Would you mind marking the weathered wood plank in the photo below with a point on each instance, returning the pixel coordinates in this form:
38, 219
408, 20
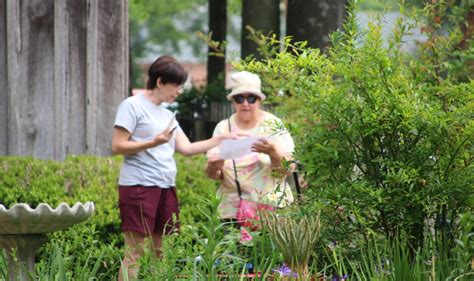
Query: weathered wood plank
92, 71
41, 121
107, 68
61, 76
70, 28
30, 78
76, 103
13, 47
3, 80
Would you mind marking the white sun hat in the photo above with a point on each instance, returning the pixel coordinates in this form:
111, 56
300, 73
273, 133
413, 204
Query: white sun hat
245, 82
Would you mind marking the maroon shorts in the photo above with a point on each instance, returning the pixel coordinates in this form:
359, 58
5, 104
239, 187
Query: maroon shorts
148, 209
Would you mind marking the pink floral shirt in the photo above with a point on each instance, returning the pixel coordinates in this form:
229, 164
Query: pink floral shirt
254, 170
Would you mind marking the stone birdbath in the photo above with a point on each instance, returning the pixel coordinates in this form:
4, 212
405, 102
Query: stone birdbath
23, 230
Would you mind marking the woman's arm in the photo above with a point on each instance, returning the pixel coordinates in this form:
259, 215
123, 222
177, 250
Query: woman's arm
185, 147
121, 143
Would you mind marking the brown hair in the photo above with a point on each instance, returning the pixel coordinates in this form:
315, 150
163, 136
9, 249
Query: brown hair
168, 70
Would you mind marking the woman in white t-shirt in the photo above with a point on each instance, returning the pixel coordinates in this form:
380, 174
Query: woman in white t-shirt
148, 135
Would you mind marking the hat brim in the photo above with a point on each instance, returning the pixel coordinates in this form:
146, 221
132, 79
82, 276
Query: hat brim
238, 92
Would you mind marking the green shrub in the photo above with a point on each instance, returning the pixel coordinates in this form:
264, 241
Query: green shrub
192, 184
385, 137
90, 178
77, 179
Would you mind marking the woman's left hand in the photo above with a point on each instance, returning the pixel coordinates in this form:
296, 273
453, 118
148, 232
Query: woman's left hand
267, 147
271, 149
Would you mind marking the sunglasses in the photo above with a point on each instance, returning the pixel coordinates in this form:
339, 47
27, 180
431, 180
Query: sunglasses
240, 99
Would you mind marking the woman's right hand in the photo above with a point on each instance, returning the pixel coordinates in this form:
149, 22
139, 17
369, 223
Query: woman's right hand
214, 166
214, 162
163, 137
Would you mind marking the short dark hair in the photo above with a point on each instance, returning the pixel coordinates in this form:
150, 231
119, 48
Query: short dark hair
168, 70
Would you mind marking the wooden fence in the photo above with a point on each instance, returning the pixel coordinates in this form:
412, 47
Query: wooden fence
218, 111
63, 70
202, 127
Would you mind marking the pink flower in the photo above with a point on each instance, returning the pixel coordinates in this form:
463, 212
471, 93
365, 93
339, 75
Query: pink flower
245, 235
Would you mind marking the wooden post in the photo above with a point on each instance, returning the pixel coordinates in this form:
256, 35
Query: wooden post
107, 70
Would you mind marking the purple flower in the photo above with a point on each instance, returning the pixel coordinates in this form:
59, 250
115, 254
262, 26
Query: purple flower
336, 277
284, 270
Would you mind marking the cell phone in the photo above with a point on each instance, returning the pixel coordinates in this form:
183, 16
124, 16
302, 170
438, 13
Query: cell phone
172, 130
172, 120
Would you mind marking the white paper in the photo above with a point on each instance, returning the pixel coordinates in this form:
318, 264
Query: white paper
232, 149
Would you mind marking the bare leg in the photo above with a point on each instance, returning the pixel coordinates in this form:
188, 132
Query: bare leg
134, 243
157, 243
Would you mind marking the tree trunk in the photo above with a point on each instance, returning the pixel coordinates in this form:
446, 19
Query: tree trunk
467, 29
261, 15
218, 29
314, 20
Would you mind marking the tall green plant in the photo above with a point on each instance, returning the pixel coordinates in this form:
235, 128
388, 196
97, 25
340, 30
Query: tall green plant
3, 265
210, 250
76, 254
393, 260
295, 238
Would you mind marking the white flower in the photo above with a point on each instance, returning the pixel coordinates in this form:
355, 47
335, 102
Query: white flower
274, 197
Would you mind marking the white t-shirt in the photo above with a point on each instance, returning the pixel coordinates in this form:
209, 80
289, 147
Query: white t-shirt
153, 166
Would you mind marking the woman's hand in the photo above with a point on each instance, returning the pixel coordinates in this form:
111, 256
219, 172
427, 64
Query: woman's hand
187, 148
214, 167
267, 147
215, 163
121, 143
163, 137
271, 149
